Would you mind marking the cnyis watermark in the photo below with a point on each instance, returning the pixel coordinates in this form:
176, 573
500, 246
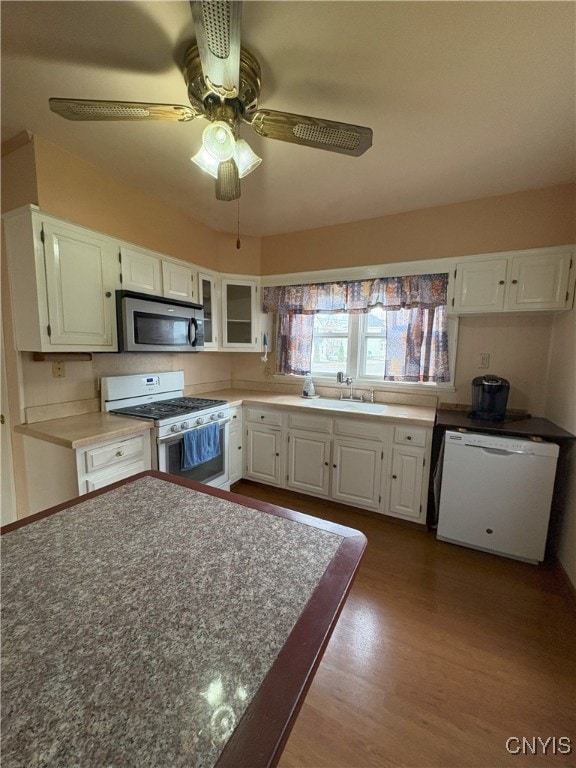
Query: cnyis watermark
536, 745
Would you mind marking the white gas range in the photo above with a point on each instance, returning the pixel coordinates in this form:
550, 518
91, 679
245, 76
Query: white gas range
160, 397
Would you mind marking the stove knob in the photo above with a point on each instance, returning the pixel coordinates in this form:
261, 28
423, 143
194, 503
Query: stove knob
214, 417
199, 421
174, 428
184, 425
221, 414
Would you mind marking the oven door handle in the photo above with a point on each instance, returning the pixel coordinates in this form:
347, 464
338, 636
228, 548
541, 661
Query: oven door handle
174, 436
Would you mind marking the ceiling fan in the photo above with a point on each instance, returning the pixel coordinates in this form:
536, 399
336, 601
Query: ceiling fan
223, 81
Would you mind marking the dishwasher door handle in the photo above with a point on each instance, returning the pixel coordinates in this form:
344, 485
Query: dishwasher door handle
500, 451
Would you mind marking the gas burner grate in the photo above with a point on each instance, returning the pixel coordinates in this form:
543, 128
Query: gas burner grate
162, 409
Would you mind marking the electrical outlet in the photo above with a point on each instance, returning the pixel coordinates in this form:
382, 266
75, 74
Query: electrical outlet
58, 370
484, 360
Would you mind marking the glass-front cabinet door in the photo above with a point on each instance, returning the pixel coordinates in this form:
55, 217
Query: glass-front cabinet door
208, 297
239, 315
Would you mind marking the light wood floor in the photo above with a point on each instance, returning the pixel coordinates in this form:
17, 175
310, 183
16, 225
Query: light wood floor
441, 655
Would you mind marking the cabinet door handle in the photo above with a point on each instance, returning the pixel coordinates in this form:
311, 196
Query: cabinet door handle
394, 477
119, 453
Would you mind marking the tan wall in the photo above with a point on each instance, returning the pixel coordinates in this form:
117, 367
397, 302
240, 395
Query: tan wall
19, 184
73, 189
532, 219
561, 409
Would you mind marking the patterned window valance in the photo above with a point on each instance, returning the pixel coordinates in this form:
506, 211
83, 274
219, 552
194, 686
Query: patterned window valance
357, 296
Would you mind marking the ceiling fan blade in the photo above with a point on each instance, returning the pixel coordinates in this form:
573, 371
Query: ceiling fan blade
217, 24
228, 181
85, 109
312, 132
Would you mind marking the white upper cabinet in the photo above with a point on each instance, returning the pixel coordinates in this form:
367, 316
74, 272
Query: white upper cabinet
62, 283
516, 282
209, 298
539, 281
240, 330
179, 281
148, 272
141, 270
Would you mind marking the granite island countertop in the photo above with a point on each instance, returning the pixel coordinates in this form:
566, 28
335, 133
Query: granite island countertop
162, 623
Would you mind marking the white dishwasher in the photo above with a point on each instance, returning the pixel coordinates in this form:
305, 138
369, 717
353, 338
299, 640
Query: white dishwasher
496, 493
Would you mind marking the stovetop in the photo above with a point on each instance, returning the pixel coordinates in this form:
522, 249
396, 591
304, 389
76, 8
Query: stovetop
164, 409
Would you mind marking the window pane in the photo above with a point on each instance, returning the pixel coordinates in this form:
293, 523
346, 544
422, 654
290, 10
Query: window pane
330, 344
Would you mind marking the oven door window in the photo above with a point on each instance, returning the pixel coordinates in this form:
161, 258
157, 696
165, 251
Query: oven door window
203, 473
153, 329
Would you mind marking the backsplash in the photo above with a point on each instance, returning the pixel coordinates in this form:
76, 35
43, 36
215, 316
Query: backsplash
518, 348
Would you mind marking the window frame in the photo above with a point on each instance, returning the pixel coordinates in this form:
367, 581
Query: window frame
356, 344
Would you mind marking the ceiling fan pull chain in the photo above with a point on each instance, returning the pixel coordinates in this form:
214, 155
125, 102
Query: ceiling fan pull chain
238, 243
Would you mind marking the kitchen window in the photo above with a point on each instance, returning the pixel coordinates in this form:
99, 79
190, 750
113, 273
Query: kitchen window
385, 329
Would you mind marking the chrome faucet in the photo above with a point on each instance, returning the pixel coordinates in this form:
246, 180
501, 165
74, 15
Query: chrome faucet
348, 381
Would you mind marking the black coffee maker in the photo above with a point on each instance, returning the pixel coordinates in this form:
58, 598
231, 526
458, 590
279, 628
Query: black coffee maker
489, 398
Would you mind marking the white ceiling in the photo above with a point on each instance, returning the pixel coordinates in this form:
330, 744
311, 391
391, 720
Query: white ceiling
466, 100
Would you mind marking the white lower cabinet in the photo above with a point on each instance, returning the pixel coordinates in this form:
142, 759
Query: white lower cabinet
56, 474
407, 480
364, 463
235, 445
308, 462
357, 472
265, 446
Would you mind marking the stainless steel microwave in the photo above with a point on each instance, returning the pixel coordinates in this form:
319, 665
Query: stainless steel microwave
155, 324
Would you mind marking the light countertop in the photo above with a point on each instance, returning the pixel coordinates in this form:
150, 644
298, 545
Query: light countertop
409, 414
90, 428
85, 429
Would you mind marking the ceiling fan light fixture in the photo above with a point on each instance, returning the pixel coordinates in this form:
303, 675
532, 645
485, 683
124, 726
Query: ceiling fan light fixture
206, 162
218, 140
246, 159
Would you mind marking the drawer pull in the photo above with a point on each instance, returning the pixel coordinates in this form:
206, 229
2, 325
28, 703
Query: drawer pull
119, 453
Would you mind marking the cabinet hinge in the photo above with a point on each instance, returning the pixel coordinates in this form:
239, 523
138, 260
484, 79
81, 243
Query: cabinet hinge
42, 237
49, 330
